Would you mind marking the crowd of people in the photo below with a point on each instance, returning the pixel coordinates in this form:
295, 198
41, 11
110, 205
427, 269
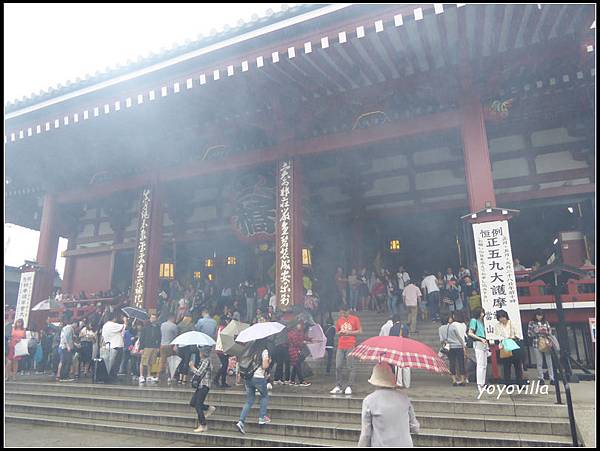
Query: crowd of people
68, 350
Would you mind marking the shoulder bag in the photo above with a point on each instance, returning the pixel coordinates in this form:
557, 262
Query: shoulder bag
445, 348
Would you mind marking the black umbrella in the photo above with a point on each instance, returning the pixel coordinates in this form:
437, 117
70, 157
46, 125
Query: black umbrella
137, 313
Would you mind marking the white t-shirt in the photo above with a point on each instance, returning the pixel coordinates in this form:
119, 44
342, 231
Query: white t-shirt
403, 279
260, 372
112, 333
273, 302
430, 284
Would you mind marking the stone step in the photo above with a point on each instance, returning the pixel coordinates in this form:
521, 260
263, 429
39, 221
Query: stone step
294, 422
301, 400
214, 437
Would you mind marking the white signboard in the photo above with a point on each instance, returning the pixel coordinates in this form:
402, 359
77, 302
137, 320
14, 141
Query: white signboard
496, 275
25, 296
141, 256
284, 242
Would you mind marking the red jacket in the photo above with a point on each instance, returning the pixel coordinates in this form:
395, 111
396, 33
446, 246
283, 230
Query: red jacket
295, 341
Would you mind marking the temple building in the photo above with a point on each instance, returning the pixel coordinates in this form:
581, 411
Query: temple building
315, 137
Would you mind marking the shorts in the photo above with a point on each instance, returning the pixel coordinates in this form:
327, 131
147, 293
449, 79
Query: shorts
149, 355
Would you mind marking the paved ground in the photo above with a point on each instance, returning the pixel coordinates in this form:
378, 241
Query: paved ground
27, 435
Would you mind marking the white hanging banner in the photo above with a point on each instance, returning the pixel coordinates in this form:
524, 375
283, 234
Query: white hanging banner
284, 235
142, 248
24, 297
496, 275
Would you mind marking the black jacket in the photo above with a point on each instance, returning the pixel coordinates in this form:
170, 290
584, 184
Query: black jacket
150, 336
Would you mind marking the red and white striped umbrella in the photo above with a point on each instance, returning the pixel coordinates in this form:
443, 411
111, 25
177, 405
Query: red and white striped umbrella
401, 352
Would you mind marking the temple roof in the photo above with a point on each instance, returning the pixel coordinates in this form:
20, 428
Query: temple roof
228, 32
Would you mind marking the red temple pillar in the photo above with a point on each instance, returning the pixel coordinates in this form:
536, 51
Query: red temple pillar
478, 168
46, 257
154, 256
289, 241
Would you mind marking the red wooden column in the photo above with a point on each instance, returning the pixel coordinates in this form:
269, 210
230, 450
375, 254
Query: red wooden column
153, 264
289, 241
478, 168
46, 257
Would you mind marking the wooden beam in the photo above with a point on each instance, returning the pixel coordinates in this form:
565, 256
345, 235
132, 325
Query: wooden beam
335, 142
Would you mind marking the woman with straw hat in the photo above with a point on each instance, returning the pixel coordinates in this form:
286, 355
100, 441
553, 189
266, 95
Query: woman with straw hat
388, 417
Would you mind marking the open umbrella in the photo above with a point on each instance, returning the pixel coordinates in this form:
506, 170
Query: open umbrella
48, 304
401, 352
137, 313
193, 338
318, 342
228, 336
258, 331
173, 362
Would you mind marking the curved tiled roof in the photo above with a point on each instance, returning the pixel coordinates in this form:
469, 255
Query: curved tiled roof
228, 32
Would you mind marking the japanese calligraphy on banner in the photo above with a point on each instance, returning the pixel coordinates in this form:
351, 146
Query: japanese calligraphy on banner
496, 275
141, 254
24, 297
284, 240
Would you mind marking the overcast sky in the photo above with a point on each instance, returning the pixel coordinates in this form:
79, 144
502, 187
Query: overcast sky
50, 43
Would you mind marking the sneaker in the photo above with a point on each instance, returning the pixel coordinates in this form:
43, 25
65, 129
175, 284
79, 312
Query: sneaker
67, 380
240, 427
141, 380
201, 429
336, 390
542, 381
305, 384
269, 386
264, 420
278, 382
348, 391
287, 382
210, 411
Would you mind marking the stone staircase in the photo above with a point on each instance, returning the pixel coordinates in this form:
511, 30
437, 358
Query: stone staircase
300, 418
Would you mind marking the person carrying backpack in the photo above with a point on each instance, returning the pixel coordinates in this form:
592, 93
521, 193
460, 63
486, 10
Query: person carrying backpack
253, 370
201, 380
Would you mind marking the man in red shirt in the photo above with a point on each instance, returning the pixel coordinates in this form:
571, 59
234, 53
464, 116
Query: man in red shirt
347, 328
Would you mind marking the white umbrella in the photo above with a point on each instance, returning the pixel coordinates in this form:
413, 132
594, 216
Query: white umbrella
319, 341
173, 363
47, 304
258, 331
193, 338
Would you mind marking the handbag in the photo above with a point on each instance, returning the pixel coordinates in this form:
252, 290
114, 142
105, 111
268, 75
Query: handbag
504, 354
22, 347
544, 344
445, 348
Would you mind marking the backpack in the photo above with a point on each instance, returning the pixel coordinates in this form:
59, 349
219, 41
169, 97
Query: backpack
250, 361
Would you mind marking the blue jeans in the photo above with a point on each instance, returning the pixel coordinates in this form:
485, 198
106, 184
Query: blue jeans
393, 304
353, 298
433, 302
260, 384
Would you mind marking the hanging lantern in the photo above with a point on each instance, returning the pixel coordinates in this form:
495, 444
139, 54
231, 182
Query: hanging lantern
197, 275
231, 261
166, 271
306, 257
209, 263
394, 245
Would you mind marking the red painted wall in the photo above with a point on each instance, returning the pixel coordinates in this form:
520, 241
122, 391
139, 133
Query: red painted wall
91, 273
